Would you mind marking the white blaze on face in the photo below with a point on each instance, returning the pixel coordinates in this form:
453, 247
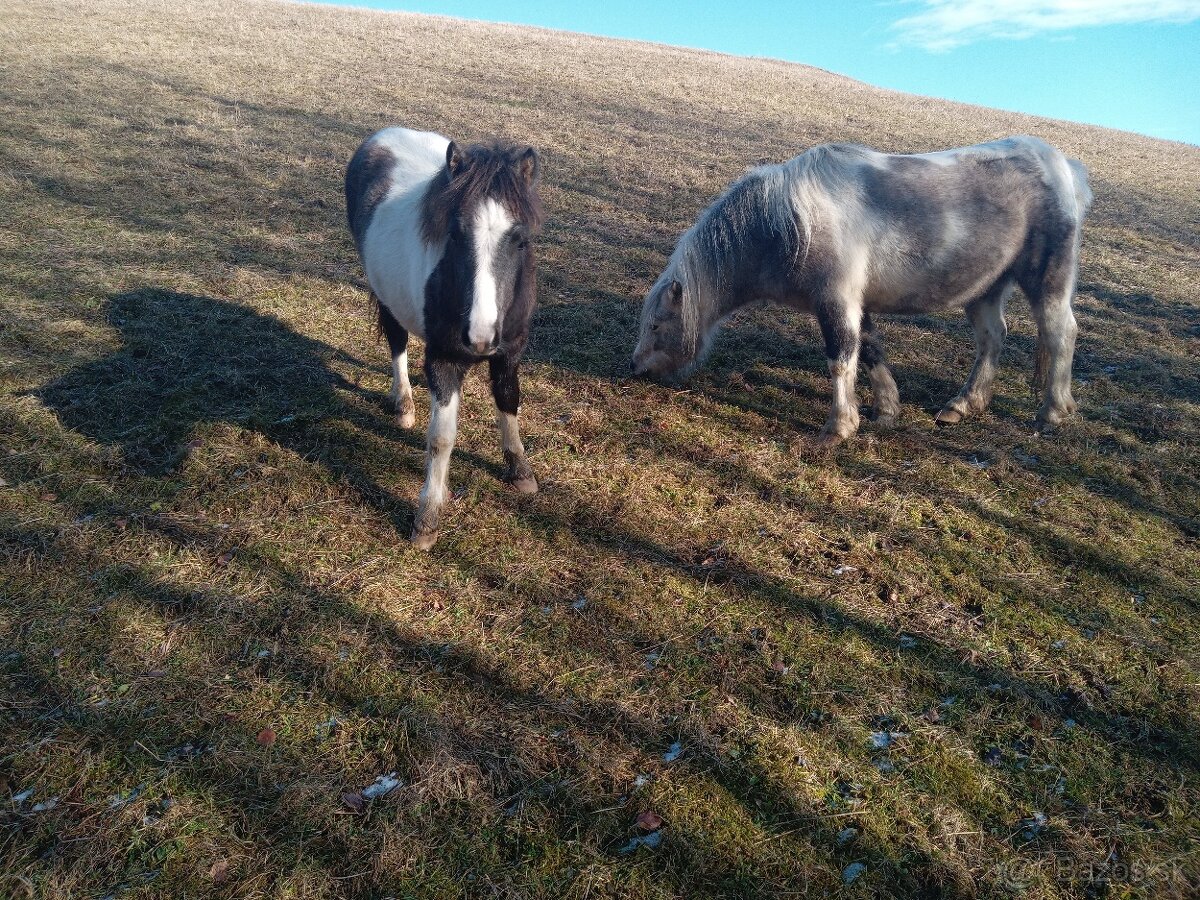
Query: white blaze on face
492, 223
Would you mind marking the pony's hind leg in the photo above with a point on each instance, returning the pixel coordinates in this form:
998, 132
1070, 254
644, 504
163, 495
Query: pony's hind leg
986, 315
1050, 297
506, 389
841, 326
445, 387
885, 396
397, 338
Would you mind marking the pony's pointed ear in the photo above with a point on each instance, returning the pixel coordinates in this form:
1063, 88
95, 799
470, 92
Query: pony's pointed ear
674, 296
454, 159
529, 165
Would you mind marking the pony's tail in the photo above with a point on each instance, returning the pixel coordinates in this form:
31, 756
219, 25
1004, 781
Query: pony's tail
377, 309
1083, 191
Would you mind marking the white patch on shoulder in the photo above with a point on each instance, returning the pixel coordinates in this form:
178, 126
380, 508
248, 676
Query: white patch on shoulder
492, 223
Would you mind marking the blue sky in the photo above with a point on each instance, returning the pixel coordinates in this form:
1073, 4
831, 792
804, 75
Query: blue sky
1121, 63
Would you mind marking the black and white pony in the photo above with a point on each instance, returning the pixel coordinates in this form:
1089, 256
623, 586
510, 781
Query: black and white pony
844, 231
444, 236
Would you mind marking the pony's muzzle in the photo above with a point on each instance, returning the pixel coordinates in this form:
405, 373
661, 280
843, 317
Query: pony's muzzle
481, 348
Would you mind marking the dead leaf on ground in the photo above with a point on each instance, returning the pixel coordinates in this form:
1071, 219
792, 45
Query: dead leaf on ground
266, 737
649, 821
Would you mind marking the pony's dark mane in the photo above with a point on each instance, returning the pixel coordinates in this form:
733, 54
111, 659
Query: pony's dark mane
494, 170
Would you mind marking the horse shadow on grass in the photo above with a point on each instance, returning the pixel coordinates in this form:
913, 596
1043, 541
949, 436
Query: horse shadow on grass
188, 360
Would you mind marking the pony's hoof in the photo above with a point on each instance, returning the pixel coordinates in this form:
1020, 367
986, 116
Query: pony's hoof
884, 419
406, 414
827, 439
526, 484
948, 416
424, 540
1048, 422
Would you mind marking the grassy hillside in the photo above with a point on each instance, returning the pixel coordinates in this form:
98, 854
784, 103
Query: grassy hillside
933, 662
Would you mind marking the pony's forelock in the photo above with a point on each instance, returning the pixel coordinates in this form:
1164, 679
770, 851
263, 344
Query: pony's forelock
494, 170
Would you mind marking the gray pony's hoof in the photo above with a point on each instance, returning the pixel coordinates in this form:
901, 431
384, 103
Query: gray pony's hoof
827, 440
424, 540
1049, 420
525, 484
948, 416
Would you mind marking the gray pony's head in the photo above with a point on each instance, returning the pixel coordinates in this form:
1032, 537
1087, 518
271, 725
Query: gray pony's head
663, 348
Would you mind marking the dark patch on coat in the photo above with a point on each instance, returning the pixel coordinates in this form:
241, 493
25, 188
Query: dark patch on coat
368, 180
748, 254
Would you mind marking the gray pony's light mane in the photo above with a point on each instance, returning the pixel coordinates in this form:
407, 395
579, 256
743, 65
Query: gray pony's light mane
767, 203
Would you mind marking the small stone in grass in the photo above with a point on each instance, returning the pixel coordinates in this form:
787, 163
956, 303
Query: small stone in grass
991, 756
672, 754
846, 835
382, 786
1033, 826
881, 740
651, 840
907, 642
852, 871
354, 802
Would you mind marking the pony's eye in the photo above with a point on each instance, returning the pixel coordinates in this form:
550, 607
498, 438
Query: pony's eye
654, 327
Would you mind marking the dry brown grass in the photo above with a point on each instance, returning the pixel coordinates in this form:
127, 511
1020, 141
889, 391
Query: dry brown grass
204, 504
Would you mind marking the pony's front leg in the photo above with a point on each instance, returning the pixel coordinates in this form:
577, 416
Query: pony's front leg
506, 388
841, 325
445, 387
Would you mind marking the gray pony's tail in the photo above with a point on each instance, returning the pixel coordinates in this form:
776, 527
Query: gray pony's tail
1083, 192
1083, 201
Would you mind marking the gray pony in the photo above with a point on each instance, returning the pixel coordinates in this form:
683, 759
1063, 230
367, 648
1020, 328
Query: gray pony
844, 231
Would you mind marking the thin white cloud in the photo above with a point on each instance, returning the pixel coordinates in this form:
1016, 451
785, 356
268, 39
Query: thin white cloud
945, 24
